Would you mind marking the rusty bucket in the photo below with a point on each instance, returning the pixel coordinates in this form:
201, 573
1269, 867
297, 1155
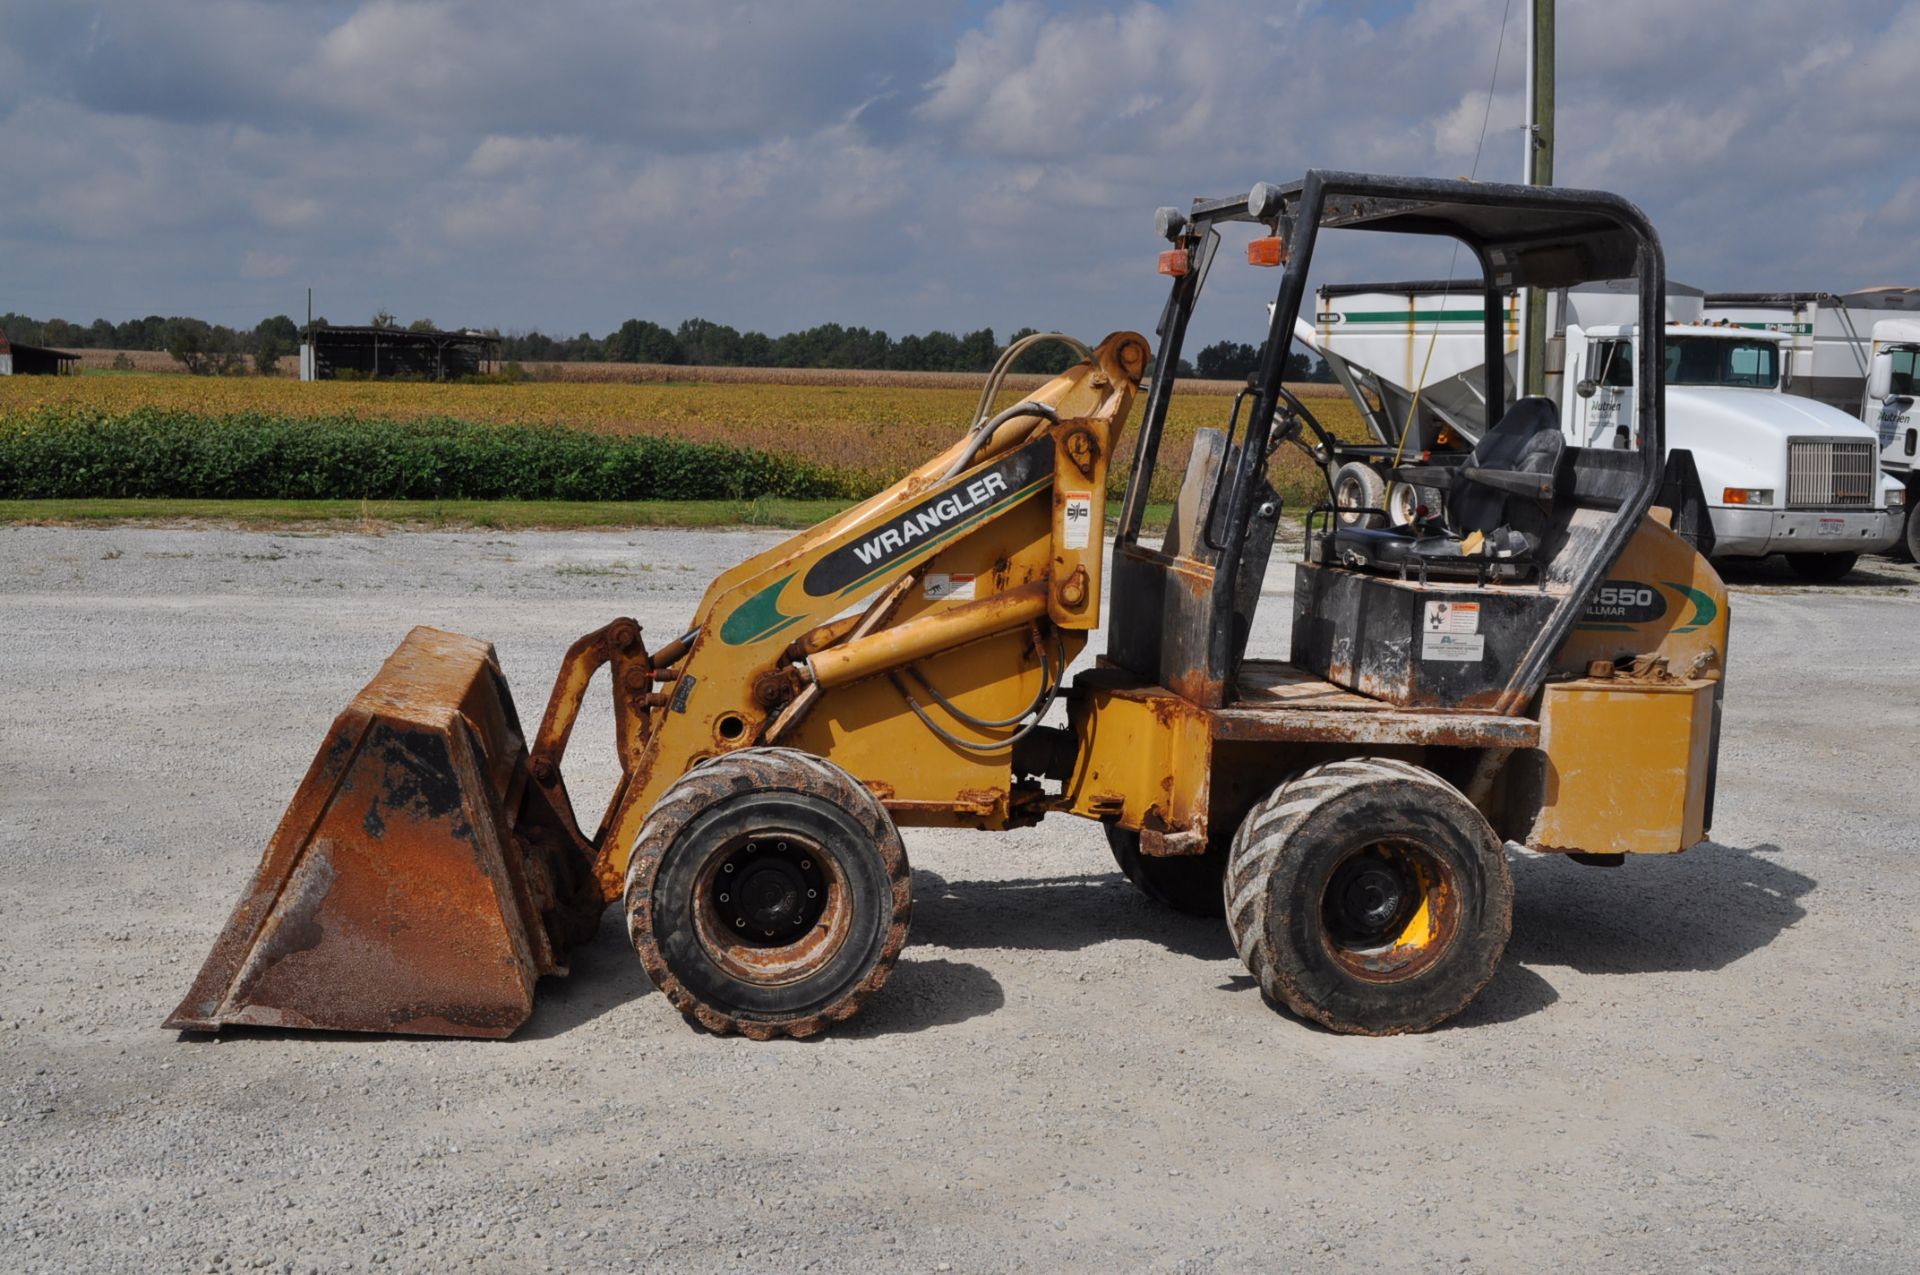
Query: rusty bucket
419, 882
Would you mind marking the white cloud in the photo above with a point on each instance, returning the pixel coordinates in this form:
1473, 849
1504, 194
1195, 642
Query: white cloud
498, 156
1028, 85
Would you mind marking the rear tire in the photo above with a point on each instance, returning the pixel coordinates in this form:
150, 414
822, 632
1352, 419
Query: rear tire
1358, 485
768, 894
1188, 883
1369, 896
1822, 568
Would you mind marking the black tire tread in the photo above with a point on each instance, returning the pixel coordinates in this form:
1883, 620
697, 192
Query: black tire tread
1266, 836
1822, 568
1185, 883
761, 770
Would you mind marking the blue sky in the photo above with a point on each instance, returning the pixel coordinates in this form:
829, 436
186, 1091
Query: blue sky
938, 164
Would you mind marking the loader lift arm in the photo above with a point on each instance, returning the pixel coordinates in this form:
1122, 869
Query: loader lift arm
929, 621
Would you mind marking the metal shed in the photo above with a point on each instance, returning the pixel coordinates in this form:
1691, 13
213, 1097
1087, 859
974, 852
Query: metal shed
34, 360
395, 353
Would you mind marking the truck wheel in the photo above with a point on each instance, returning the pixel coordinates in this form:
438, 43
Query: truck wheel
1404, 501
1358, 485
1187, 883
1370, 896
1911, 540
768, 893
1824, 568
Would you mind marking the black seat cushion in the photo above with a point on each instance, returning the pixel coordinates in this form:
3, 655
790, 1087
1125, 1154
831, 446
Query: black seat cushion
1527, 440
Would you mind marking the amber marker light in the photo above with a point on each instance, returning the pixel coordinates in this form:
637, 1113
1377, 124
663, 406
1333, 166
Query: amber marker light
1174, 262
1270, 251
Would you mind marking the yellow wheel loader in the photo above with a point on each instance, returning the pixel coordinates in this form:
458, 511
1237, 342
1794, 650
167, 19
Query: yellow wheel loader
1539, 661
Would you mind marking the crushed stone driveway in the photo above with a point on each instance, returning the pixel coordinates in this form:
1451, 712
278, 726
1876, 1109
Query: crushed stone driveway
1710, 1062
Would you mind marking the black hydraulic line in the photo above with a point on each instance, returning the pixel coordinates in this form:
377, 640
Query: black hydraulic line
1044, 702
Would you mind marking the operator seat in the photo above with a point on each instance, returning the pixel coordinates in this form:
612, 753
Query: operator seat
1503, 490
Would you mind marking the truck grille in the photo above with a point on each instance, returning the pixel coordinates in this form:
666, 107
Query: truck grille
1827, 473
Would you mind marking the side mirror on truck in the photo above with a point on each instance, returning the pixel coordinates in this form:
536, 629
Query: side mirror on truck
1587, 388
1880, 380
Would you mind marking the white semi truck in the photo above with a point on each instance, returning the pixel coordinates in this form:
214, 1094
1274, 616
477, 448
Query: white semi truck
1782, 474
1860, 353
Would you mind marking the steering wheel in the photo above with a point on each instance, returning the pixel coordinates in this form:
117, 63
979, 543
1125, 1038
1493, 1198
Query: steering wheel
1321, 450
1290, 415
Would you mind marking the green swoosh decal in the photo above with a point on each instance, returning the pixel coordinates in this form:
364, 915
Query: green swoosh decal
758, 617
1705, 610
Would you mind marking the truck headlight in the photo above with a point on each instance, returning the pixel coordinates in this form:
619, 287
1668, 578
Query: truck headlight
1747, 496
1897, 498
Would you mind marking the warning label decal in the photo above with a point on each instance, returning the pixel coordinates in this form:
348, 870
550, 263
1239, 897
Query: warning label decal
1079, 518
1452, 617
956, 586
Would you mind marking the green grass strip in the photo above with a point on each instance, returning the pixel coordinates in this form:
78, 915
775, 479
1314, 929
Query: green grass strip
59, 453
453, 514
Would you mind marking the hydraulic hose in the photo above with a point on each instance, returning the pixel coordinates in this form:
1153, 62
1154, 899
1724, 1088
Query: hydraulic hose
1051, 682
983, 428
1008, 356
983, 431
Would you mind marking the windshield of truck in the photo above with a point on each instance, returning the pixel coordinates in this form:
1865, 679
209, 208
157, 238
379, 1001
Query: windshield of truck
1906, 373
1707, 360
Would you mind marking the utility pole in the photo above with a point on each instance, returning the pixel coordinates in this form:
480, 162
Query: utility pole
1539, 172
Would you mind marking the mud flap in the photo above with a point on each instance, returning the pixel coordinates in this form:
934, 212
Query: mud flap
419, 881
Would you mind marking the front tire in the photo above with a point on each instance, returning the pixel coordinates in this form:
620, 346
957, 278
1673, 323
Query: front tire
1370, 896
1911, 540
1188, 883
1822, 568
768, 894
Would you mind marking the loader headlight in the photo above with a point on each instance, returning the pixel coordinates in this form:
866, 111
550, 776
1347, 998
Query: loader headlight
1747, 496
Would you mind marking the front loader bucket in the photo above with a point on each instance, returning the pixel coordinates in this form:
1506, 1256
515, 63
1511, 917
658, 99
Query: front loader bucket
420, 882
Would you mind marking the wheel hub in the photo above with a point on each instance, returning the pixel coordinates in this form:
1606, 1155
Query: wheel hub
770, 890
1373, 899
1368, 900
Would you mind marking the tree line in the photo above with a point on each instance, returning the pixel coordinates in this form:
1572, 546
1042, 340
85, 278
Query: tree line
199, 346
216, 349
701, 343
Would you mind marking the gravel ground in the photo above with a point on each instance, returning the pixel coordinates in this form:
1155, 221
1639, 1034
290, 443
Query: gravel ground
1709, 1062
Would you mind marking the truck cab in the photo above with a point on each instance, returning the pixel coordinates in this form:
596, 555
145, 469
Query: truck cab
1891, 408
1786, 474
1893, 391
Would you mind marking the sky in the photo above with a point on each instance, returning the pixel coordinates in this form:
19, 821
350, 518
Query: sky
939, 164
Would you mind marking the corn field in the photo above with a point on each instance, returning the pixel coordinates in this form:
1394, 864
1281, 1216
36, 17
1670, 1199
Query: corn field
865, 435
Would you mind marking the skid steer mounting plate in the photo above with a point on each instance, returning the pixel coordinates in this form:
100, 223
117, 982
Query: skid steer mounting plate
419, 881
